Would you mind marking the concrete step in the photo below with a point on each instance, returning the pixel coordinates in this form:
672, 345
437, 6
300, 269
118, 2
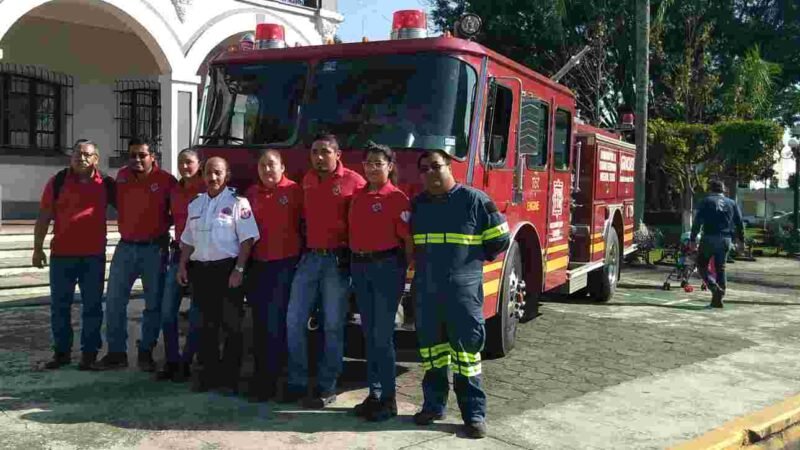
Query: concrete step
28, 252
43, 292
17, 241
8, 272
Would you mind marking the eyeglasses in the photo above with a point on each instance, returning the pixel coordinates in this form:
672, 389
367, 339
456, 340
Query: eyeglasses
424, 168
82, 155
374, 165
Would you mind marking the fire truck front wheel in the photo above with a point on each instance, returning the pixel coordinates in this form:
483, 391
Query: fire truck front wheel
603, 281
501, 330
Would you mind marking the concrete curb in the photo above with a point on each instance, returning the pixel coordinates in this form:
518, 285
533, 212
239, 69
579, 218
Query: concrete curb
756, 430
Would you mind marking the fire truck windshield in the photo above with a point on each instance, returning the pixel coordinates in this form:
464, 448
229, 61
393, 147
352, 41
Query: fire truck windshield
253, 104
422, 101
403, 101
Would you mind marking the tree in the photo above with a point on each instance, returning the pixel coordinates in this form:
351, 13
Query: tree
680, 150
744, 148
751, 94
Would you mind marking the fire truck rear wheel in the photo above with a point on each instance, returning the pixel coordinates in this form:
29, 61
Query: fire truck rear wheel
603, 281
501, 330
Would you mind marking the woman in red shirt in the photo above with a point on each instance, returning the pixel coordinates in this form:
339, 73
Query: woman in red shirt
190, 185
277, 204
380, 244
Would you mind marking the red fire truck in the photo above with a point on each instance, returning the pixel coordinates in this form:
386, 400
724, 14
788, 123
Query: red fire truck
566, 188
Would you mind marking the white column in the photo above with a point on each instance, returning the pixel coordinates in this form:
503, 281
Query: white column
178, 117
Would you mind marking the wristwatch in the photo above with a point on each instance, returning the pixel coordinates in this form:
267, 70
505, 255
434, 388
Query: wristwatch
238, 269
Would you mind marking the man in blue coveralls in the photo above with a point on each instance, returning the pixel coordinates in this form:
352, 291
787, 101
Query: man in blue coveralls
719, 217
455, 229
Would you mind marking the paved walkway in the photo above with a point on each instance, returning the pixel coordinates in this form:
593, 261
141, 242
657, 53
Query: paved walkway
649, 369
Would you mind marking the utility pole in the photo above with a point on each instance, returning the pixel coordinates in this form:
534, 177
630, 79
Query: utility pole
642, 88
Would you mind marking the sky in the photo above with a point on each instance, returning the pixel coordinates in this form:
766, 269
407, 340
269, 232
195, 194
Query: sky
372, 18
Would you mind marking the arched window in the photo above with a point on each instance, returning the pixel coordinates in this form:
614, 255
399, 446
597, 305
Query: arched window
35, 110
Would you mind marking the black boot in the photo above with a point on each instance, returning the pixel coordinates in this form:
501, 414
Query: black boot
59, 359
365, 408
387, 408
87, 361
112, 360
145, 361
168, 371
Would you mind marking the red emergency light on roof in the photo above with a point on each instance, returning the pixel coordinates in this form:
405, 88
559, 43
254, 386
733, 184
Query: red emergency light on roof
270, 35
409, 24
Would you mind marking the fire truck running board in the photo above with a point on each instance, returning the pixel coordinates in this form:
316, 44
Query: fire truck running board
578, 276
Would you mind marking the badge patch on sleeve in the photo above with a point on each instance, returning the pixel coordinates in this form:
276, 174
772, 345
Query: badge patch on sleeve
246, 213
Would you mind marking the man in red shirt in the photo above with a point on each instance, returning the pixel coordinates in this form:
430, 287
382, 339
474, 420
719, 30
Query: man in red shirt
277, 204
323, 272
143, 194
76, 198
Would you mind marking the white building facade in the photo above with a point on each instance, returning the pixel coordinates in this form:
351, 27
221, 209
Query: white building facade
109, 70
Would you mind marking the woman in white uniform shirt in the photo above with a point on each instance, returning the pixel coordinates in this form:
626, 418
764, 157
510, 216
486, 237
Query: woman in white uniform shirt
219, 235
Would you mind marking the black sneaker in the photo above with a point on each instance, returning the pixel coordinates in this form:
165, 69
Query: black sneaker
167, 372
426, 417
112, 361
87, 361
475, 430
59, 359
366, 407
202, 382
145, 361
319, 402
387, 408
261, 391
290, 396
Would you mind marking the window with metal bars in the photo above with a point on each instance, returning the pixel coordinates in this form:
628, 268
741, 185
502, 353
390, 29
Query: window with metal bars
139, 115
33, 117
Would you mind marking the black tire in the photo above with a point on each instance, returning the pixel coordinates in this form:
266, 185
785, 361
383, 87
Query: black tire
501, 330
603, 281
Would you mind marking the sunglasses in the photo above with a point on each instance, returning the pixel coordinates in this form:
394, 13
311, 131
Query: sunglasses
424, 168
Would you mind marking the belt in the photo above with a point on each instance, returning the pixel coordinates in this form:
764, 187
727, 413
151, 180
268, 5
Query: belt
159, 240
217, 263
374, 256
327, 251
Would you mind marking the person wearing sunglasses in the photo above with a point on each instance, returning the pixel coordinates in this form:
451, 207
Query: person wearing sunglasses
380, 245
143, 196
455, 229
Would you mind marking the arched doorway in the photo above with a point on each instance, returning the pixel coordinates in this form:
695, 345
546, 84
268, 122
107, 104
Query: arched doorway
73, 70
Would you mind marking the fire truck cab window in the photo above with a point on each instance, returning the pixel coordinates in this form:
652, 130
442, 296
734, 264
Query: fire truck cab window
254, 104
533, 133
561, 140
498, 121
421, 101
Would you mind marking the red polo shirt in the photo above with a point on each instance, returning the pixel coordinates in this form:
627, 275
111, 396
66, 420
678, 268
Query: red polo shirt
143, 204
325, 206
185, 191
379, 220
278, 212
80, 216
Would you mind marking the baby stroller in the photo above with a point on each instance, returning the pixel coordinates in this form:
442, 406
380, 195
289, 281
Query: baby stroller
686, 267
